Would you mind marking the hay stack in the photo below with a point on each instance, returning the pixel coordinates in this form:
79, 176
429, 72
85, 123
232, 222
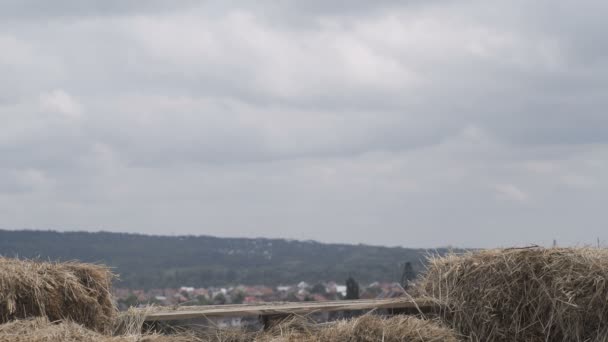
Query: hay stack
533, 294
367, 328
41, 330
363, 329
74, 291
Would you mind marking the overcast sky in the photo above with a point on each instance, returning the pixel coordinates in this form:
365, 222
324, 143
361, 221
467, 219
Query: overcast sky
413, 123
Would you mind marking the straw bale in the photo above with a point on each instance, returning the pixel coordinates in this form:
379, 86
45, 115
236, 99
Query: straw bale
39, 329
74, 291
526, 294
367, 328
363, 329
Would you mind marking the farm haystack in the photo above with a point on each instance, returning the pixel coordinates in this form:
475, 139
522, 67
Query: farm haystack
74, 291
528, 294
367, 328
364, 329
41, 330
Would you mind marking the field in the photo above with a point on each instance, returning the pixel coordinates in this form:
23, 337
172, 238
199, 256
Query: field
524, 294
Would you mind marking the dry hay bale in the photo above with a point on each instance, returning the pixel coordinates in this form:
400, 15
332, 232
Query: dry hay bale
526, 294
39, 329
71, 290
367, 328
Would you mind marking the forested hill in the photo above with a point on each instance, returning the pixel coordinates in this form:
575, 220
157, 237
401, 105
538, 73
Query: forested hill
145, 261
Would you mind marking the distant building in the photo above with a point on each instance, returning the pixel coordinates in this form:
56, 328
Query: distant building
341, 289
303, 285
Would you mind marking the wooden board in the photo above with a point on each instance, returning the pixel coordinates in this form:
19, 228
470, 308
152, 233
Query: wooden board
299, 308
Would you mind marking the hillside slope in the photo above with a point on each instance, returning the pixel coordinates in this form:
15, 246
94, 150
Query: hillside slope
145, 261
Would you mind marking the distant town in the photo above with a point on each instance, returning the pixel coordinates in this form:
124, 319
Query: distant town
247, 294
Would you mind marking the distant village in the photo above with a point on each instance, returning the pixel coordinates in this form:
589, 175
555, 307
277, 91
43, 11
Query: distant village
244, 294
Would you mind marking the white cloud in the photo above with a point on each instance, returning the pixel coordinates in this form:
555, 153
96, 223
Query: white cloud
511, 192
35, 179
579, 181
59, 101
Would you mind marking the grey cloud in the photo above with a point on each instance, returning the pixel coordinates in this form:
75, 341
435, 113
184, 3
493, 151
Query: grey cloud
41, 10
431, 123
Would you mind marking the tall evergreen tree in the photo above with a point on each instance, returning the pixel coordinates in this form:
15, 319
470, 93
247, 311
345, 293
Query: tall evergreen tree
408, 275
352, 289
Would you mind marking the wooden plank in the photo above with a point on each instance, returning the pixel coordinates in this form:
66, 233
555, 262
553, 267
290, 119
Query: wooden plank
300, 308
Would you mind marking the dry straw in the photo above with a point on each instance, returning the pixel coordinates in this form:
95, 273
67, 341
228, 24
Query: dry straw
132, 321
73, 291
367, 328
529, 294
41, 330
364, 329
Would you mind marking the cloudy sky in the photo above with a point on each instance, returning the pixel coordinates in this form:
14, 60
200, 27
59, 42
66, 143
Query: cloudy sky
414, 123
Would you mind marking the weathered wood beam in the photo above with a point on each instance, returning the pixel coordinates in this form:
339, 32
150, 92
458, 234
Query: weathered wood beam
281, 309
